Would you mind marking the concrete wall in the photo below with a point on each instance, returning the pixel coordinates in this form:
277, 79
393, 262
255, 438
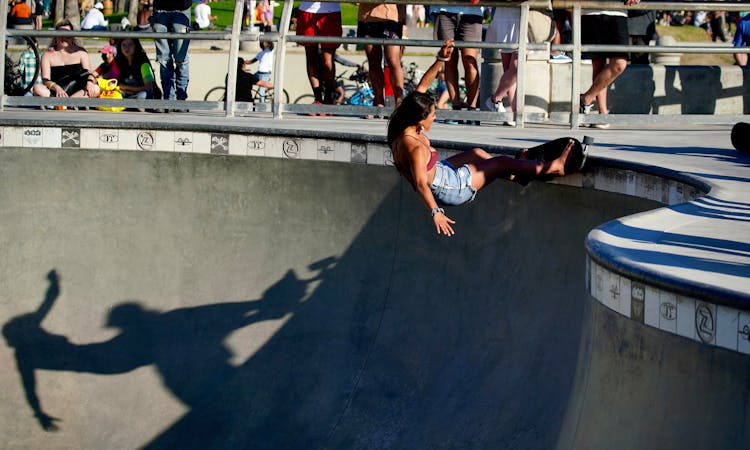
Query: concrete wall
659, 89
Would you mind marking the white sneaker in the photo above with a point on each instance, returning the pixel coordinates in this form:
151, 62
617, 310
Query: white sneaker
559, 58
494, 106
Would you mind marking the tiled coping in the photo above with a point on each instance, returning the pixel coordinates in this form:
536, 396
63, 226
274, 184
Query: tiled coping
683, 310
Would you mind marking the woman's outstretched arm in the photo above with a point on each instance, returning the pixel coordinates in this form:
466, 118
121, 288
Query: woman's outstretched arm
443, 55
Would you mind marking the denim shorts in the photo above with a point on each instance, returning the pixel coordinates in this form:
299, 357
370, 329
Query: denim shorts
452, 186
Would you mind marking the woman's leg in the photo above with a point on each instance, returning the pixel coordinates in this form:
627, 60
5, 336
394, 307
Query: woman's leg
485, 168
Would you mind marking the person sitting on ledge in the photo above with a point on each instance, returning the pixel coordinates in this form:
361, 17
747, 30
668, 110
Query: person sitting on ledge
66, 68
456, 180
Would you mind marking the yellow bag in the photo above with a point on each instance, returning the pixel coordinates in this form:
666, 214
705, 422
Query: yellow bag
109, 89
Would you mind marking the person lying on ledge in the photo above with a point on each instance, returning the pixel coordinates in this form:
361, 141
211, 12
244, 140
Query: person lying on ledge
456, 180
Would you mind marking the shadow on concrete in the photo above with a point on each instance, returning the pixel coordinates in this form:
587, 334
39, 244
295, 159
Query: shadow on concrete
403, 340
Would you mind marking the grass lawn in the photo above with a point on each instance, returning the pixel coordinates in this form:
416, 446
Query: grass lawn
689, 33
225, 12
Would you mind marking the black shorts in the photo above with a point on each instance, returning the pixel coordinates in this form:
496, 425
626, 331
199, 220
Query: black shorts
601, 29
387, 29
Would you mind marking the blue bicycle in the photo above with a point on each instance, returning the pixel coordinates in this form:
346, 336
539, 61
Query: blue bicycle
359, 94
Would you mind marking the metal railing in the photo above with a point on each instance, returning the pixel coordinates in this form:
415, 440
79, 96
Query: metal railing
236, 35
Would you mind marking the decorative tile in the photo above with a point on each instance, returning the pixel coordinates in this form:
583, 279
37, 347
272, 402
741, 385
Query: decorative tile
32, 137
359, 153
256, 145
327, 149
727, 322
145, 140
70, 138
705, 322
668, 311
743, 333
51, 137
219, 143
378, 154
686, 317
164, 141
2, 136
274, 147
237, 144
109, 139
625, 290
651, 308
201, 142
308, 149
637, 301
90, 138
183, 141
128, 139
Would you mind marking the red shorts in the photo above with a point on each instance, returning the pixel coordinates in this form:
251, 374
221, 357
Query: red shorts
317, 24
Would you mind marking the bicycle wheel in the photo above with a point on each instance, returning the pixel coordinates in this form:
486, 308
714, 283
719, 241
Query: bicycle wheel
215, 94
305, 99
22, 72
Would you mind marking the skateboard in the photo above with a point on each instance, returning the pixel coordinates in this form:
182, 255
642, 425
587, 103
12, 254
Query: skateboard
741, 136
553, 149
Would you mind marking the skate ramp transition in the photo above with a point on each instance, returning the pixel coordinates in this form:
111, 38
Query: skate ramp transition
162, 300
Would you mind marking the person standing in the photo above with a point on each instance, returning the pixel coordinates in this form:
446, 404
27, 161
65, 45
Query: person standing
320, 19
604, 27
461, 24
742, 39
172, 16
382, 20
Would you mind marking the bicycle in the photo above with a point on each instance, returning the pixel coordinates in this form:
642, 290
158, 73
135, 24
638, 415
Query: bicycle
219, 94
22, 72
360, 94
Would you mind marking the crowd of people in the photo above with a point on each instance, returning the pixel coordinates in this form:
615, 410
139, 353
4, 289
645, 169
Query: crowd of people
465, 23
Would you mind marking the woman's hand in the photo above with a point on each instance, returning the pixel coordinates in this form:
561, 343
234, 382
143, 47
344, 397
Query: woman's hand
58, 91
92, 89
446, 50
443, 224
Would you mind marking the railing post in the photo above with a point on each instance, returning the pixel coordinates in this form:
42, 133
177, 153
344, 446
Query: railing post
234, 51
280, 61
3, 25
521, 75
575, 75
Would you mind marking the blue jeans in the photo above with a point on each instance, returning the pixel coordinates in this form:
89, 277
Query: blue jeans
452, 186
264, 76
172, 54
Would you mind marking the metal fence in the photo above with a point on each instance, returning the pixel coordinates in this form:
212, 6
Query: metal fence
277, 108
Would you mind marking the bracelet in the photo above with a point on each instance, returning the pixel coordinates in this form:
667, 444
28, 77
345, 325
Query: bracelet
52, 84
434, 211
440, 58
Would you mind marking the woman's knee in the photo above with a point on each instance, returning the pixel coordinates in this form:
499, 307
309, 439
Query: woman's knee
481, 153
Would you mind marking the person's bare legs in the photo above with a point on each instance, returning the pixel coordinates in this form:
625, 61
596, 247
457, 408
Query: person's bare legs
486, 168
393, 59
328, 73
451, 79
311, 63
377, 79
471, 74
506, 87
740, 59
604, 73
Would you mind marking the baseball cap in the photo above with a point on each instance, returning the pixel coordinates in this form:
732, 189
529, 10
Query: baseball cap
109, 49
99, 5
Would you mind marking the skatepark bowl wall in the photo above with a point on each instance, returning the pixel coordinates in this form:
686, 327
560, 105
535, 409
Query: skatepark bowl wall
194, 289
